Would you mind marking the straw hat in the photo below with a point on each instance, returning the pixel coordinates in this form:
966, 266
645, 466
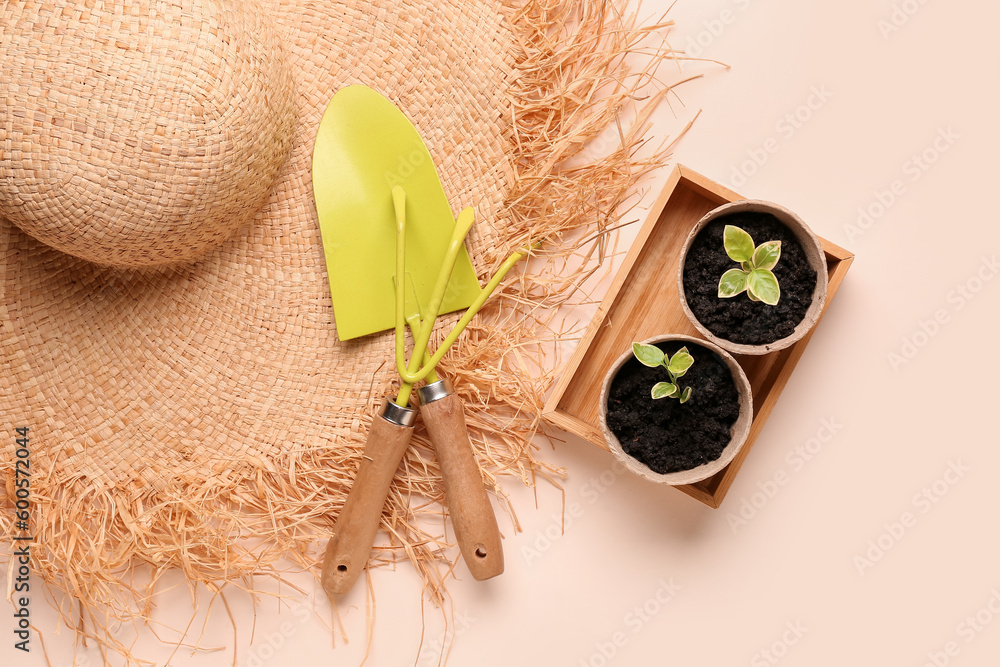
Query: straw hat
166, 330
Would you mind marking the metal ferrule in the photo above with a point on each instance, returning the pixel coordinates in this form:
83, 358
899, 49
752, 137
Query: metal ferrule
435, 391
400, 416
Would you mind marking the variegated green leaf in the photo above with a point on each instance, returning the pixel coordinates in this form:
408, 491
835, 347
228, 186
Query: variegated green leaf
764, 286
733, 282
739, 245
680, 362
766, 255
663, 390
648, 355
686, 394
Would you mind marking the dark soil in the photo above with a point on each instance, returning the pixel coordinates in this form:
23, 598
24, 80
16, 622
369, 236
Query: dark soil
663, 433
738, 319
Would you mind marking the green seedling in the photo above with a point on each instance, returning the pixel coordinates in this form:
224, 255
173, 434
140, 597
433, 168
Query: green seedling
677, 366
754, 275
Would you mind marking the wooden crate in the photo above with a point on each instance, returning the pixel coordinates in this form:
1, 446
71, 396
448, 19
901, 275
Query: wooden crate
643, 302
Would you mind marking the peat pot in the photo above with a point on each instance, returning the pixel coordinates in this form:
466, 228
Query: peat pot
667, 441
738, 324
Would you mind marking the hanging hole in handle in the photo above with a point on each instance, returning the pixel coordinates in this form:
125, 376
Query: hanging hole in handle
480, 551
341, 568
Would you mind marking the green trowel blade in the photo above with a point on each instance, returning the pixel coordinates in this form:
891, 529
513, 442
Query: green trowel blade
365, 146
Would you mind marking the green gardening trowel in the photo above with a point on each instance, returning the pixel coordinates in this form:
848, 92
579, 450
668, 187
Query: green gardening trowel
373, 180
364, 147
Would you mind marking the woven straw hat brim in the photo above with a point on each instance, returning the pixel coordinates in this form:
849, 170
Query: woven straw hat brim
205, 416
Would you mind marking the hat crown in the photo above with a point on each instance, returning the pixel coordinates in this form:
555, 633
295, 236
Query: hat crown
140, 132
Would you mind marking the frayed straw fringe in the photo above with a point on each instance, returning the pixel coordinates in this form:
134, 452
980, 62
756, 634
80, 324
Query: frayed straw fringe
570, 89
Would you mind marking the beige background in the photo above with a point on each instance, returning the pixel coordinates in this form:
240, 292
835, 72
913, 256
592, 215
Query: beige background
882, 547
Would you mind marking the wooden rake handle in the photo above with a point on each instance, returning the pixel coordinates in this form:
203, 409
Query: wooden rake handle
468, 503
354, 533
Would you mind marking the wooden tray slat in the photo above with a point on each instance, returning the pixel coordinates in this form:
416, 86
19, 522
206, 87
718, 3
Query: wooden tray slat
642, 302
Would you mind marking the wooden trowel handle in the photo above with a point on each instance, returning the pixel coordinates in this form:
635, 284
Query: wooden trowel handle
354, 533
469, 505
